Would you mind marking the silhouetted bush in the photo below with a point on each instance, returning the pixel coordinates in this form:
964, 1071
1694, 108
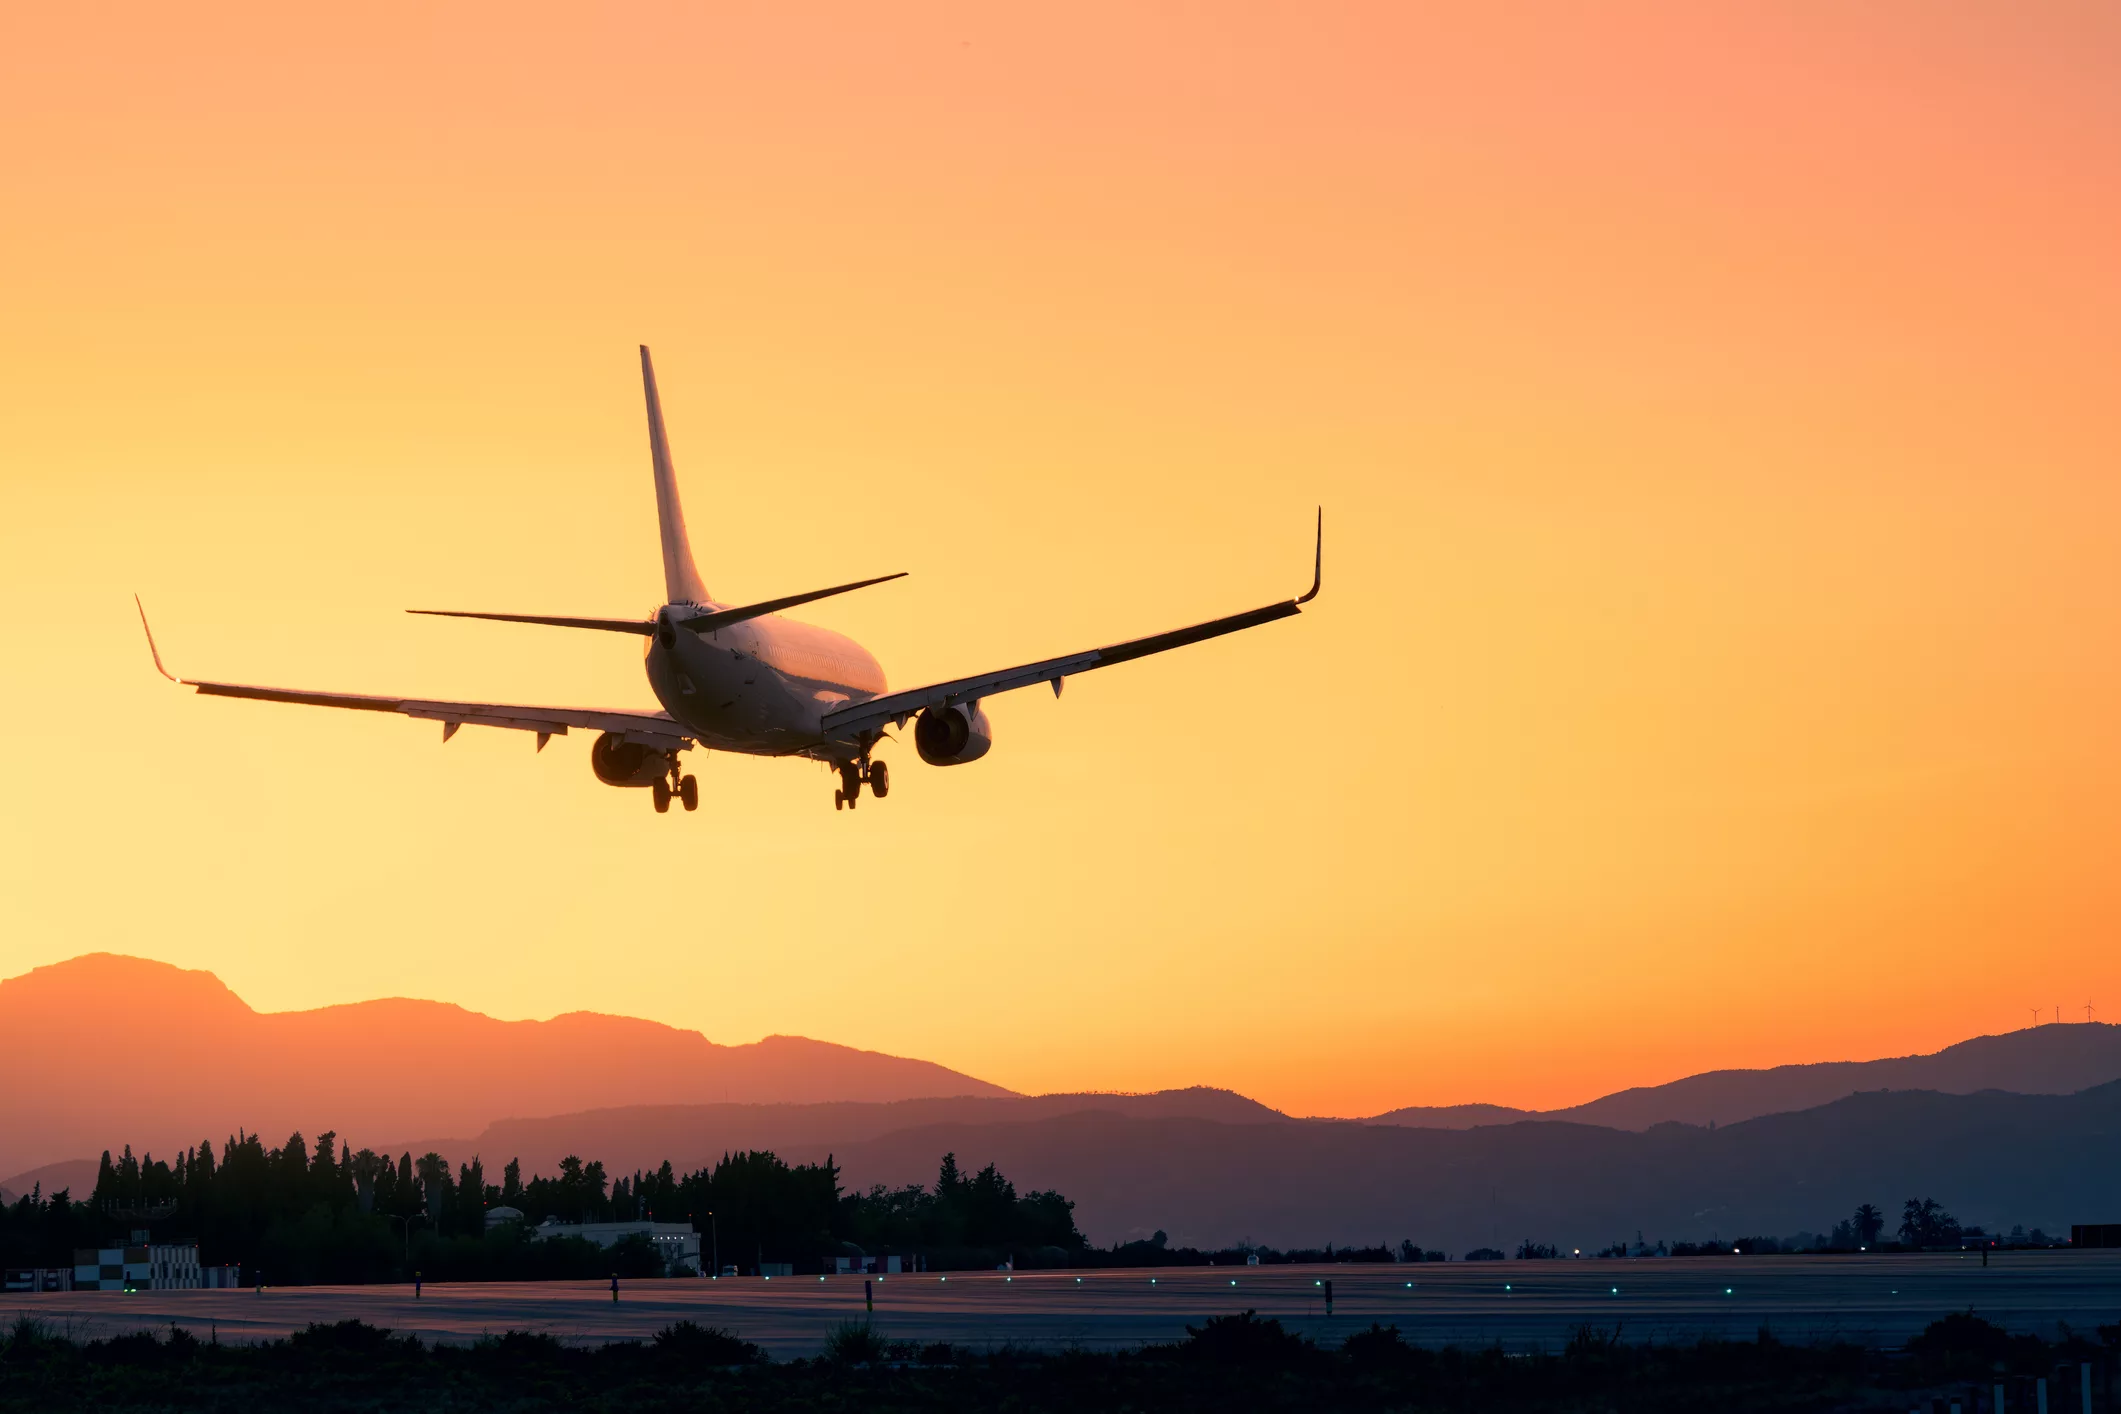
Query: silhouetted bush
345, 1337
1965, 1344
1379, 1347
520, 1346
855, 1343
1244, 1339
693, 1343
1232, 1362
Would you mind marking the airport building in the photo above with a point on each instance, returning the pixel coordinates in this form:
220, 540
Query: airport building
869, 1266
37, 1279
146, 1266
678, 1243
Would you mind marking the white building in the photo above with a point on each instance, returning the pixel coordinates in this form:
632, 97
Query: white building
38, 1279
678, 1243
151, 1266
870, 1266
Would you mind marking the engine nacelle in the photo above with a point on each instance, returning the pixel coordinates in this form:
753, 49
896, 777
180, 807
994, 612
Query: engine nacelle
951, 736
619, 762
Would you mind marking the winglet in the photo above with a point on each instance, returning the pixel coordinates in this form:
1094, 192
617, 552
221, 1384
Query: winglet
152, 651
1318, 562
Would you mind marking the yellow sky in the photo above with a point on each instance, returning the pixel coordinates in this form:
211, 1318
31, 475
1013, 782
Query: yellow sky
1714, 408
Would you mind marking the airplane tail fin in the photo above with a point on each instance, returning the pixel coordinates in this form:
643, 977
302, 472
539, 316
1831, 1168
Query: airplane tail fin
681, 580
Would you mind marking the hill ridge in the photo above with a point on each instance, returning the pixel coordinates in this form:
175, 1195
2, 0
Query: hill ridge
110, 1049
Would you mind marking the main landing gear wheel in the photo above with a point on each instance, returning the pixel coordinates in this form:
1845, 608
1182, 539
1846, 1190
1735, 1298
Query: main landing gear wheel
662, 797
850, 792
880, 780
689, 792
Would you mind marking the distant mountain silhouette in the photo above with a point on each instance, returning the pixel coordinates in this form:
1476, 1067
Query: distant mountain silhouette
1452, 1116
690, 1136
2057, 1059
107, 1050
1210, 1168
1990, 1158
74, 1177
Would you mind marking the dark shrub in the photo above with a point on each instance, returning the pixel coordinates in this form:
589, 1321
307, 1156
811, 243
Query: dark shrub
1379, 1347
132, 1348
521, 1345
342, 1337
29, 1336
855, 1343
1964, 1343
1244, 1339
696, 1344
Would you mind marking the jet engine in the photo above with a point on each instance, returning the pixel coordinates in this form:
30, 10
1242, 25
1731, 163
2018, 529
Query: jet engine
619, 762
951, 736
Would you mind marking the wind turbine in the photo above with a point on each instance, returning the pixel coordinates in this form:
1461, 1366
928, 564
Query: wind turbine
2088, 1010
2036, 1014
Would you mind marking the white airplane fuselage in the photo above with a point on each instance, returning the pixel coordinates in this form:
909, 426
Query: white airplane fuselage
761, 687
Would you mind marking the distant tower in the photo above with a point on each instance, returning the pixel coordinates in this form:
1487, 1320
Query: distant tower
2088, 1010
2036, 1014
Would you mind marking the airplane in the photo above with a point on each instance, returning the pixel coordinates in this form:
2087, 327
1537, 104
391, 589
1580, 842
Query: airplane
741, 678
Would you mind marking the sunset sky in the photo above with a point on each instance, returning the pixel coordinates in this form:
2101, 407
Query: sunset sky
1716, 408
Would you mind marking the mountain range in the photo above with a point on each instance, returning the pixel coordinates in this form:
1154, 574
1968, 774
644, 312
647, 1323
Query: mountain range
2058, 1059
2020, 1127
107, 1050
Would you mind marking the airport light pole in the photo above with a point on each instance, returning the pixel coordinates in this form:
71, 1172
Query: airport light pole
406, 1221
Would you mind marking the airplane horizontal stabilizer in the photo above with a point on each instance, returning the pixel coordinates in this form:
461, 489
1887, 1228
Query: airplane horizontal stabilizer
643, 627
722, 618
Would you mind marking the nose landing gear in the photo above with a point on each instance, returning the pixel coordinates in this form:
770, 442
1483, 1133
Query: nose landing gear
852, 776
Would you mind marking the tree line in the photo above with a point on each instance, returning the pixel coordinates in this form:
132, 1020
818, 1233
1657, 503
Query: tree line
307, 1212
1924, 1223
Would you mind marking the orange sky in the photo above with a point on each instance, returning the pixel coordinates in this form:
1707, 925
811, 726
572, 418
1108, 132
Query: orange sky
1714, 406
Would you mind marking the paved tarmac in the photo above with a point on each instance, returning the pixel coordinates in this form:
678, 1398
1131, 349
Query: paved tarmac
1874, 1300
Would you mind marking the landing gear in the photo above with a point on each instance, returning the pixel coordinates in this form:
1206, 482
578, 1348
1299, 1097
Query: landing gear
675, 786
854, 775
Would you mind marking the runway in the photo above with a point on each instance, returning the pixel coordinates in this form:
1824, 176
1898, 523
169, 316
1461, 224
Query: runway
1873, 1300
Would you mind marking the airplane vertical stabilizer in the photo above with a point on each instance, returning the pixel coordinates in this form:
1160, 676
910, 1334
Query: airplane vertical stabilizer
681, 580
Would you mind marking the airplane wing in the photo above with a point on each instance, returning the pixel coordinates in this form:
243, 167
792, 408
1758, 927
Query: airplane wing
652, 729
897, 707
